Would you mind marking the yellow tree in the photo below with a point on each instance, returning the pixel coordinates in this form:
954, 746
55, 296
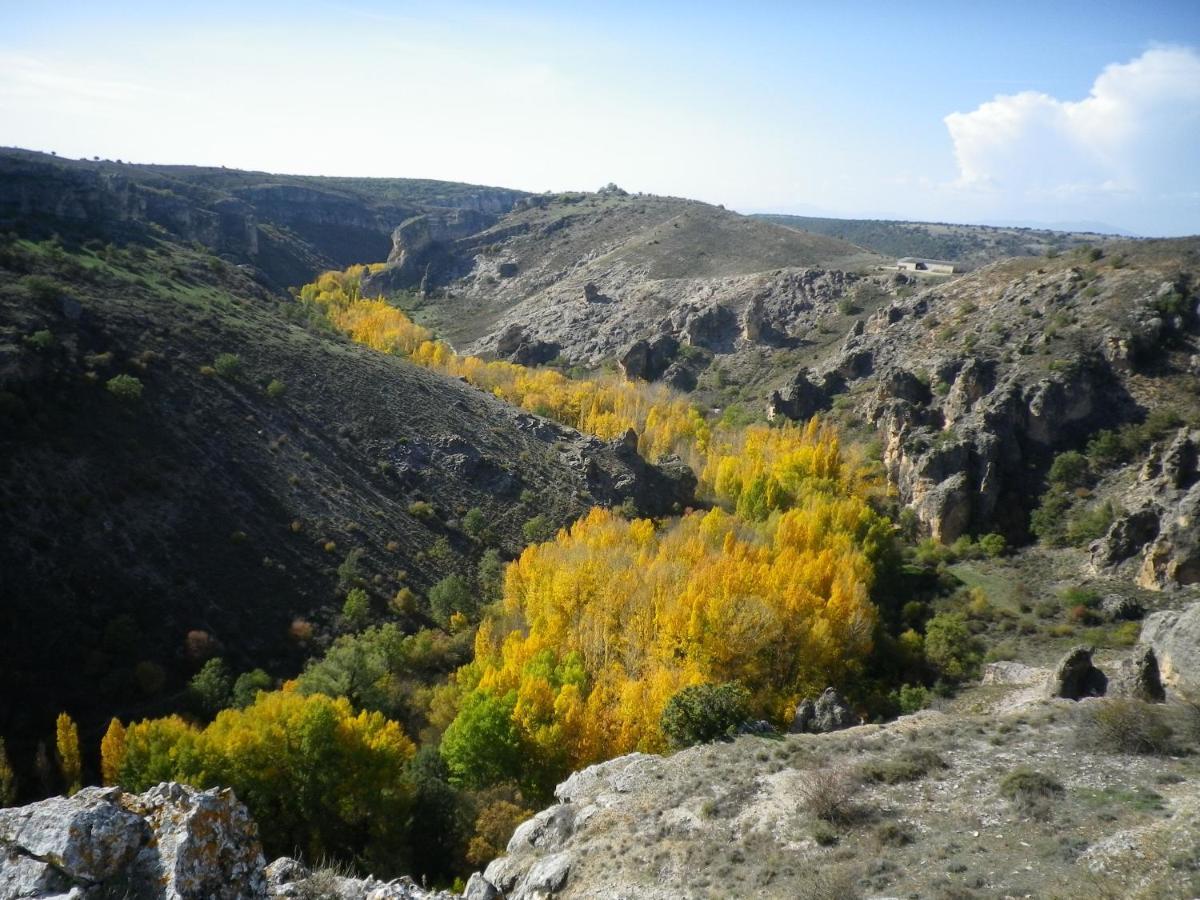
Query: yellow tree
112, 752
8, 779
66, 741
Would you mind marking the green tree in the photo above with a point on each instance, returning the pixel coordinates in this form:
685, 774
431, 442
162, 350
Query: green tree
950, 647
490, 576
450, 595
211, 686
247, 686
1069, 470
537, 529
474, 523
357, 608
482, 746
705, 712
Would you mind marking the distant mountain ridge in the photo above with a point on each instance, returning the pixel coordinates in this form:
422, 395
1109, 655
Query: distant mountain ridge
971, 246
289, 227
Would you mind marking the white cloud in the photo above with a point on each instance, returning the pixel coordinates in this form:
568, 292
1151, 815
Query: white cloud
1136, 133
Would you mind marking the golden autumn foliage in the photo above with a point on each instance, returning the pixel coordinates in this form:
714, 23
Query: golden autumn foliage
112, 752
66, 742
616, 617
607, 408
604, 623
316, 774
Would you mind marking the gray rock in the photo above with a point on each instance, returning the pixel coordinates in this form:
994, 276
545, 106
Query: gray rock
1075, 677
1007, 672
173, 842
87, 837
286, 870
1138, 678
1174, 635
547, 876
799, 400
829, 713
549, 829
1126, 537
479, 888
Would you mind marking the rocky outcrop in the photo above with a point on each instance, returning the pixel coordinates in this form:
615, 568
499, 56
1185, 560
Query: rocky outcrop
424, 253
828, 713
1174, 636
1138, 678
1075, 678
799, 400
647, 360
1159, 541
172, 842
713, 327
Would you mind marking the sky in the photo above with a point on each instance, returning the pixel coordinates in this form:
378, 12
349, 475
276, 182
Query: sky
1015, 112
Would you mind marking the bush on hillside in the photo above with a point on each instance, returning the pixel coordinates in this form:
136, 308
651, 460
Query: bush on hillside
705, 712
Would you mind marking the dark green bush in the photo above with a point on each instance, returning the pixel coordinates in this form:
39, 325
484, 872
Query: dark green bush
450, 595
705, 712
228, 365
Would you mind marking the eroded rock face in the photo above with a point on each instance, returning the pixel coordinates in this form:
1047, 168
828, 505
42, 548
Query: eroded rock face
1075, 677
1174, 635
172, 842
801, 399
647, 360
1159, 542
1138, 678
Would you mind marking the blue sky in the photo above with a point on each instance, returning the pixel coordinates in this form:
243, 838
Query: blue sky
1029, 112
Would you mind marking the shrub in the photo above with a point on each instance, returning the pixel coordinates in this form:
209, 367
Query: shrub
228, 365
992, 545
1069, 470
421, 510
1126, 726
894, 834
276, 388
1092, 523
493, 827
705, 712
40, 340
912, 697
127, 388
828, 795
1030, 792
908, 765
